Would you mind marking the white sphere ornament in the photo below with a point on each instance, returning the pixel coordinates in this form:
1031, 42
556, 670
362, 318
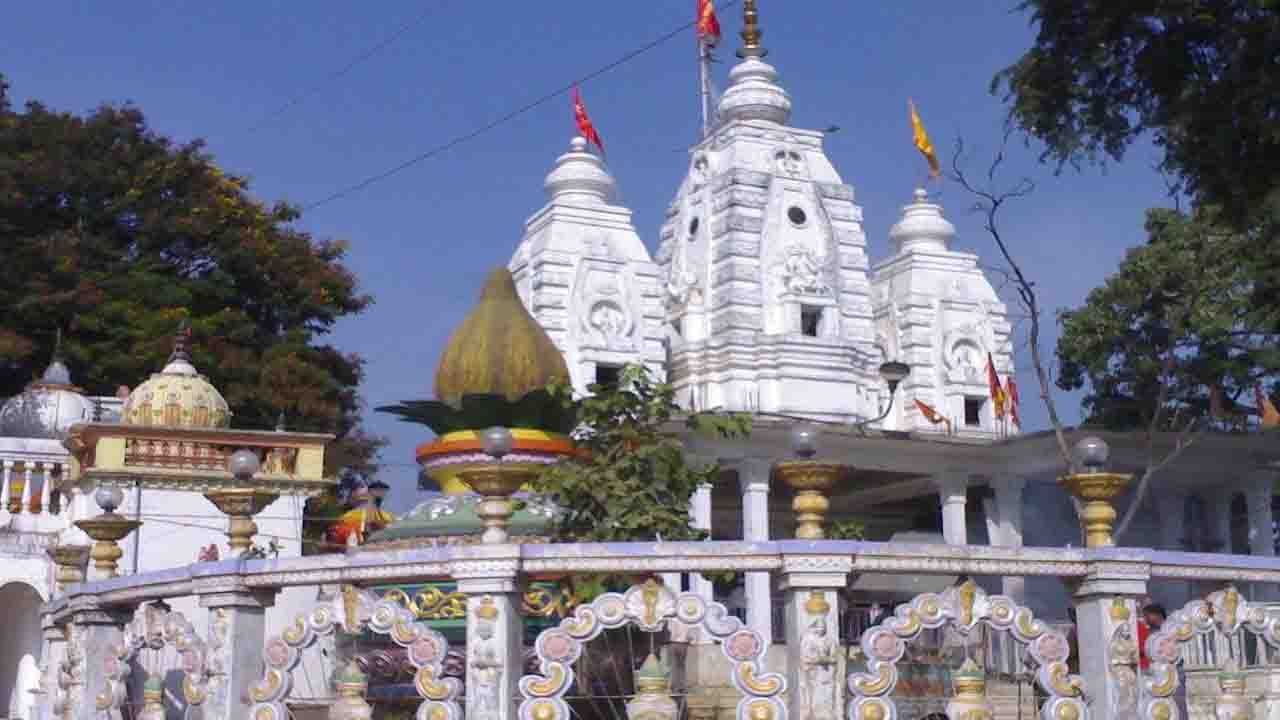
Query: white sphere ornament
804, 441
1092, 453
497, 442
108, 498
244, 464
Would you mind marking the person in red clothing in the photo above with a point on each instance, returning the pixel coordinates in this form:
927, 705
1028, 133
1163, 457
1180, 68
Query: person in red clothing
1153, 617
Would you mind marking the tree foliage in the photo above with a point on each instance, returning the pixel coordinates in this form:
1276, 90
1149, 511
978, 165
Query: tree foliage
1198, 75
113, 233
634, 482
1177, 319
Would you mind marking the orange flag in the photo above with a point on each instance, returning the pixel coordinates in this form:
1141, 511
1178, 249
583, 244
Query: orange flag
998, 398
931, 414
708, 23
1268, 415
920, 138
1011, 387
585, 126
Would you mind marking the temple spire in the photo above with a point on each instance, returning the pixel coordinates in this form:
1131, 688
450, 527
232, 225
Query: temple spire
181, 342
751, 32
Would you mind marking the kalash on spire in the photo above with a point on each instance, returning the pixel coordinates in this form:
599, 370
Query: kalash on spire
767, 296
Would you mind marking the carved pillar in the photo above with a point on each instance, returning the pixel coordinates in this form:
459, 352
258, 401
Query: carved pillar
95, 633
46, 486
700, 512
495, 655
6, 488
811, 585
753, 476
237, 635
1106, 605
28, 470
953, 488
1004, 527
55, 643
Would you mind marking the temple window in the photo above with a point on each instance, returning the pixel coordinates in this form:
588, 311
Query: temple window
810, 320
608, 375
973, 411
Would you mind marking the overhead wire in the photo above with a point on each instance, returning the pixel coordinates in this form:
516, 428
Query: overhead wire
341, 72
509, 116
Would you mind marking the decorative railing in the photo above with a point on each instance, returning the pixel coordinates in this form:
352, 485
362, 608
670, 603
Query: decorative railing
234, 670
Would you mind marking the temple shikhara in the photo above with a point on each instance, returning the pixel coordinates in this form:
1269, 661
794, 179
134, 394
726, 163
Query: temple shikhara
987, 583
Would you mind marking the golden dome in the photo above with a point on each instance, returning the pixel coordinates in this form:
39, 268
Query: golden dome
499, 349
177, 396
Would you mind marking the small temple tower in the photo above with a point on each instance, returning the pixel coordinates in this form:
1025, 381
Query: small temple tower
937, 312
768, 303
585, 276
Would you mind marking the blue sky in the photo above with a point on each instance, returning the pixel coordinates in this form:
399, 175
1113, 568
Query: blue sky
423, 240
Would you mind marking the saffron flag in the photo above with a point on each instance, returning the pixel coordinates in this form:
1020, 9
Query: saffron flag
1268, 415
922, 142
708, 23
585, 126
998, 398
1011, 389
931, 414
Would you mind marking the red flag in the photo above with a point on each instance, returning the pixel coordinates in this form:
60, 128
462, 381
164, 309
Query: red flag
1011, 387
585, 127
998, 398
708, 23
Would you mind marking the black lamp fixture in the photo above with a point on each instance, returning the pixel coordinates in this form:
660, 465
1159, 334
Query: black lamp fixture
894, 373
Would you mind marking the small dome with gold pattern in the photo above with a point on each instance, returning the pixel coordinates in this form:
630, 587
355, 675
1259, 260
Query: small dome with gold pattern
177, 396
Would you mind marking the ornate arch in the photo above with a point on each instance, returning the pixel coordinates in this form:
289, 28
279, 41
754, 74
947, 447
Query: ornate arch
1226, 611
963, 607
651, 607
354, 611
154, 629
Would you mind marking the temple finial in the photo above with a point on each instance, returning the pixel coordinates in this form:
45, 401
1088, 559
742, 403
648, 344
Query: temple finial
751, 32
181, 342
280, 426
57, 343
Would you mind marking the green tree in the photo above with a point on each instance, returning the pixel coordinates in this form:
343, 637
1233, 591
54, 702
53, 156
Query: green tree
1173, 326
1198, 76
113, 234
634, 481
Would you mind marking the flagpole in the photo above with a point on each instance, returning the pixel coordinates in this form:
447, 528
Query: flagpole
704, 84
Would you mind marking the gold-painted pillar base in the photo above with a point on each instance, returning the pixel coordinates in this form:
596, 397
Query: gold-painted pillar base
107, 530
240, 505
812, 482
1096, 491
495, 484
71, 562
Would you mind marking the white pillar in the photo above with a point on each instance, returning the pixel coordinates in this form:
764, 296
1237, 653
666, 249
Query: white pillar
952, 491
1219, 507
1004, 526
5, 489
26, 488
753, 476
700, 518
1257, 496
46, 486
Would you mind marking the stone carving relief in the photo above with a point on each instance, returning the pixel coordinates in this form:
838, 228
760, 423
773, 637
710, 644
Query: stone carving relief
652, 607
699, 172
801, 272
146, 639
819, 659
1122, 660
609, 320
789, 163
484, 664
964, 355
963, 608
356, 611
66, 700
1227, 613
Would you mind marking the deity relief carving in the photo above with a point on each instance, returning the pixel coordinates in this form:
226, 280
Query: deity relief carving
801, 272
484, 667
964, 357
700, 172
789, 163
818, 661
608, 319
